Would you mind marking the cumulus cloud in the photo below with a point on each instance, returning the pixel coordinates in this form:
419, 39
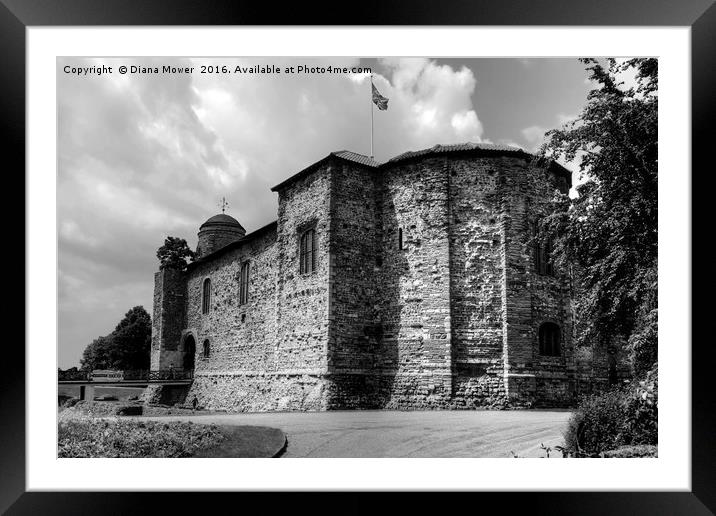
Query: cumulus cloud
534, 136
141, 157
431, 104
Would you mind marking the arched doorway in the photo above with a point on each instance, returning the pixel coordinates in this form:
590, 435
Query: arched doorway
189, 352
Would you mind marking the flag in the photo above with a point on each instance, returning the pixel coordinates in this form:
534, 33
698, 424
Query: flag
378, 99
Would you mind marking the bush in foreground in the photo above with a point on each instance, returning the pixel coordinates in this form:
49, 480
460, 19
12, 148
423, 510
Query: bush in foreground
625, 417
89, 437
641, 450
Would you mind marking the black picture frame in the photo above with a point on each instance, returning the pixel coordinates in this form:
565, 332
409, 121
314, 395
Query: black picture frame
17, 15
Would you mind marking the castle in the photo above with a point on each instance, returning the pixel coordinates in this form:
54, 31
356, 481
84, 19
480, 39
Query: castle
414, 283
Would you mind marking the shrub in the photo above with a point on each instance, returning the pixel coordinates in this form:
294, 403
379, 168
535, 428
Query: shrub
595, 424
84, 436
641, 450
68, 402
625, 416
130, 410
643, 343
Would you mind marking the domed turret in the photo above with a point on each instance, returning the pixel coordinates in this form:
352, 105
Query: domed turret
218, 231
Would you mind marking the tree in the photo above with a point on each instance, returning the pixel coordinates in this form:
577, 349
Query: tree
173, 254
127, 347
96, 354
609, 232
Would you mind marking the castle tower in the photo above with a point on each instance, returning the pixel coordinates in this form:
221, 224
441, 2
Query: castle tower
218, 231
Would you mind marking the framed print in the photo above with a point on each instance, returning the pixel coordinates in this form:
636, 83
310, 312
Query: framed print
387, 253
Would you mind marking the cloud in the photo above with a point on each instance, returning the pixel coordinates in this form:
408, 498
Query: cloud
509, 143
534, 136
625, 79
563, 119
431, 104
141, 157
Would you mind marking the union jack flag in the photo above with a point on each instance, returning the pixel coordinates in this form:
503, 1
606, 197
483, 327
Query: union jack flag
379, 100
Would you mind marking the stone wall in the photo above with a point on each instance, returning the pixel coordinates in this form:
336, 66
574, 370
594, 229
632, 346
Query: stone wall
241, 337
269, 353
415, 285
259, 391
356, 334
302, 299
531, 298
476, 279
215, 237
168, 318
449, 319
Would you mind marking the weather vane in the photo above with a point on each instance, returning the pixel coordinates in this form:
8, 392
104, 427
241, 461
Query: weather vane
223, 204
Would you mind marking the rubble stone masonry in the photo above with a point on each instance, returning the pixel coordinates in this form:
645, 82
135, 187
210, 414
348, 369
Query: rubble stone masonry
425, 293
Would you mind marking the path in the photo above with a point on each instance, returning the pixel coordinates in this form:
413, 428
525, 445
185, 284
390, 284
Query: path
477, 433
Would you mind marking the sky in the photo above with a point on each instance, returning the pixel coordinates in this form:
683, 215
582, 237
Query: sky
145, 156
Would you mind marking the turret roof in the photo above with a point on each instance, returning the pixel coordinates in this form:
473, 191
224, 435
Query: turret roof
222, 219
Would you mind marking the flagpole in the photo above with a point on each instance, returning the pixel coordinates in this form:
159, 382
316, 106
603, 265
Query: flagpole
371, 116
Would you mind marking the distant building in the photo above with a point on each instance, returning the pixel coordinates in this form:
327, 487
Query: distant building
409, 284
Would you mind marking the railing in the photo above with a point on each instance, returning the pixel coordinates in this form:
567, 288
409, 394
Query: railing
170, 374
136, 374
73, 375
131, 375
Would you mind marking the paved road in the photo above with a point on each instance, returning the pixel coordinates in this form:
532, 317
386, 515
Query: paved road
407, 434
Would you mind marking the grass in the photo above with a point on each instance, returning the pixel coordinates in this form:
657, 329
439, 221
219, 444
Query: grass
247, 442
112, 438
93, 430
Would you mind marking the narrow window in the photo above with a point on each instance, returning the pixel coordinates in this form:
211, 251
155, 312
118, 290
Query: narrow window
206, 350
206, 296
307, 252
562, 185
244, 284
549, 340
400, 238
542, 254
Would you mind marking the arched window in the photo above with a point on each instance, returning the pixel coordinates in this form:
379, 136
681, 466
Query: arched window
308, 251
549, 340
244, 283
206, 349
206, 296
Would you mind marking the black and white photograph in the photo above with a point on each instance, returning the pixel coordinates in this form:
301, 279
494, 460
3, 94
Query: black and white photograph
302, 257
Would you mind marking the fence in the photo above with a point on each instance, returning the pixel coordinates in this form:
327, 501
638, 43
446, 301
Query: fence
131, 375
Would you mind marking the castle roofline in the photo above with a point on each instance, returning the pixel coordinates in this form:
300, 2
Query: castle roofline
478, 149
468, 147
234, 245
344, 155
222, 219
472, 149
